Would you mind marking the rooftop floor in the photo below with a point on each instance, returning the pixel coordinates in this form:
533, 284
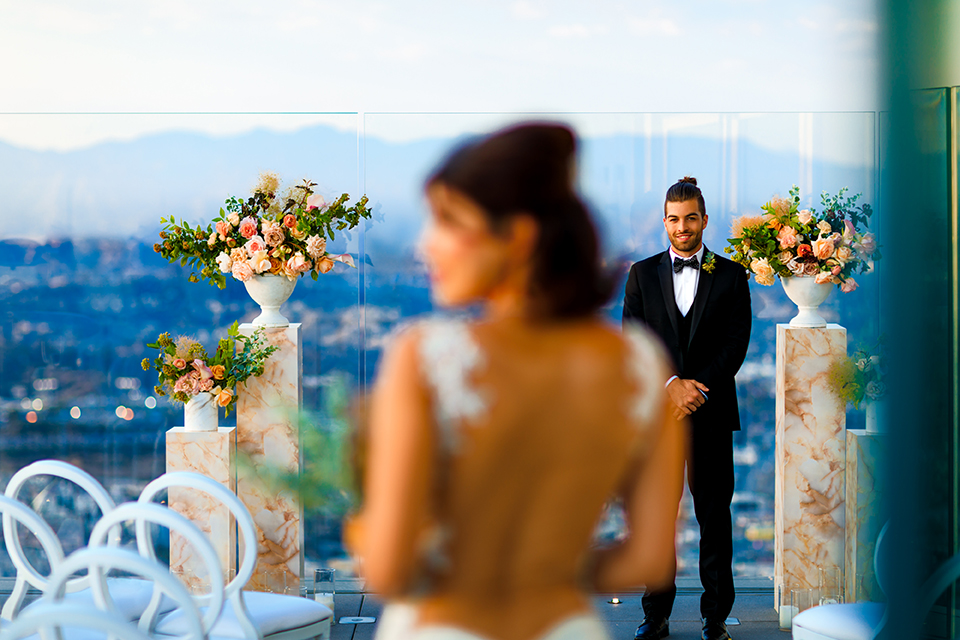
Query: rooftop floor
753, 611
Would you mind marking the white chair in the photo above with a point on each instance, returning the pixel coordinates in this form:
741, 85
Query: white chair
26, 574
97, 562
865, 620
141, 514
252, 615
50, 619
14, 513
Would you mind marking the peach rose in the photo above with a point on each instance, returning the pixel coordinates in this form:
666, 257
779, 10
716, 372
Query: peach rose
223, 228
316, 246
260, 262
824, 277
324, 264
238, 255
233, 218
788, 237
845, 254
273, 234
824, 227
298, 264
290, 221
248, 227
848, 285
822, 248
255, 244
804, 216
763, 271
242, 271
225, 397
796, 268
218, 371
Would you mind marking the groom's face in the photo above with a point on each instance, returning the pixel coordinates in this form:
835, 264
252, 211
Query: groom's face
684, 224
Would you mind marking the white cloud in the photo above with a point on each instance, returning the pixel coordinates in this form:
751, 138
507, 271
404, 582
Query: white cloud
526, 10
653, 27
576, 31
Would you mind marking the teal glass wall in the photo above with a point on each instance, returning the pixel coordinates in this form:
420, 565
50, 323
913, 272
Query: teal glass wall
81, 291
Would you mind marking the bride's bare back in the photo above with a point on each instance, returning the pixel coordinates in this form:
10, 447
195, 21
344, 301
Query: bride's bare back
494, 446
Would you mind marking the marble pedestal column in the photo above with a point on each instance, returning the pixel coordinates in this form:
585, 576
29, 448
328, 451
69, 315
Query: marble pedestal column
810, 454
865, 513
213, 454
268, 434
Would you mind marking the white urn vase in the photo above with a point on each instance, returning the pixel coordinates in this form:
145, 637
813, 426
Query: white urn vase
270, 291
804, 292
201, 413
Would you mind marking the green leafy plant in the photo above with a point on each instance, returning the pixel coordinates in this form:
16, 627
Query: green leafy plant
858, 377
268, 233
185, 369
788, 241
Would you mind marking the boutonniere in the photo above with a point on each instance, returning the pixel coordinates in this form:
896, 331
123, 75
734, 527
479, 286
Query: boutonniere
709, 262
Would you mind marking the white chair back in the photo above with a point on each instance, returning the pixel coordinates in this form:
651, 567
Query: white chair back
99, 561
15, 512
66, 471
248, 533
49, 619
141, 514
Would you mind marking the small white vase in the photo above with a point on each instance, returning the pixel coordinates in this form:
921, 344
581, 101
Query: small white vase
270, 291
875, 416
201, 413
808, 296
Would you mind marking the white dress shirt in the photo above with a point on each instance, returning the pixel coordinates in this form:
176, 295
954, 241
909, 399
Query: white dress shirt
685, 282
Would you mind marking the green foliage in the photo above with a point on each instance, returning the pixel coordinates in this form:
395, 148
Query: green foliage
858, 377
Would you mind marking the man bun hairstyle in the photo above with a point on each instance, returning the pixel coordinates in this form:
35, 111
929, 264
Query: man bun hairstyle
529, 169
685, 189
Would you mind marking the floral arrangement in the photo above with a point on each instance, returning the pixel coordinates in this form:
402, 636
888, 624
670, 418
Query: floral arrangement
185, 369
858, 377
788, 241
268, 233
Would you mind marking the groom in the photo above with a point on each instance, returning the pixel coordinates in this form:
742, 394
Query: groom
699, 305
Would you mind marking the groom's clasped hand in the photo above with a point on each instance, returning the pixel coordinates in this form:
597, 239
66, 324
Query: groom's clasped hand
687, 396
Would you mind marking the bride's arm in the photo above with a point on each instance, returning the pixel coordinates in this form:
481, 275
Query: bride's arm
400, 471
650, 497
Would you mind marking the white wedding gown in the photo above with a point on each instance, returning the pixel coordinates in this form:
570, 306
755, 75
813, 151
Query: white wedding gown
448, 354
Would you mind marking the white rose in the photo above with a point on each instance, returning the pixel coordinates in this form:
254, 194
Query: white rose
225, 262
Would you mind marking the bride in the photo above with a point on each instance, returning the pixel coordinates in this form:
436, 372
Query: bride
495, 443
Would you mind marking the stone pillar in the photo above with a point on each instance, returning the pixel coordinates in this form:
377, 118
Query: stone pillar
213, 454
865, 513
810, 447
268, 434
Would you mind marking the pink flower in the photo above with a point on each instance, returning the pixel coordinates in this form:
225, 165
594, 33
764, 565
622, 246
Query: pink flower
316, 201
824, 277
255, 244
248, 227
206, 384
788, 237
273, 233
223, 228
836, 270
202, 369
324, 264
290, 221
316, 246
849, 232
804, 216
867, 244
810, 269
183, 384
346, 259
238, 255
822, 249
180, 363
298, 264
848, 285
242, 271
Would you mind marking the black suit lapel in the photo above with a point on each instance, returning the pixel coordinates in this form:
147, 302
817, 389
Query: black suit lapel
665, 271
704, 285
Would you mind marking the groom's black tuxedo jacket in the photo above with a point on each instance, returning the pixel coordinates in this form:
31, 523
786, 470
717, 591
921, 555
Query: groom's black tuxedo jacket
719, 329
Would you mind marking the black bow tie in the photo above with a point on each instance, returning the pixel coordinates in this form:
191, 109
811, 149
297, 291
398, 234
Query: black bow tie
680, 263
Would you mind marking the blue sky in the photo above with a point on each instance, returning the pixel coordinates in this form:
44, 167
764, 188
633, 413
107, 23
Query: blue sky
428, 56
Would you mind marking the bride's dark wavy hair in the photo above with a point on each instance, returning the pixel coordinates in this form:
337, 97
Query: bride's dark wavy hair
529, 169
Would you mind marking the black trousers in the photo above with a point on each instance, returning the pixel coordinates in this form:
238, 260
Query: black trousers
710, 477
